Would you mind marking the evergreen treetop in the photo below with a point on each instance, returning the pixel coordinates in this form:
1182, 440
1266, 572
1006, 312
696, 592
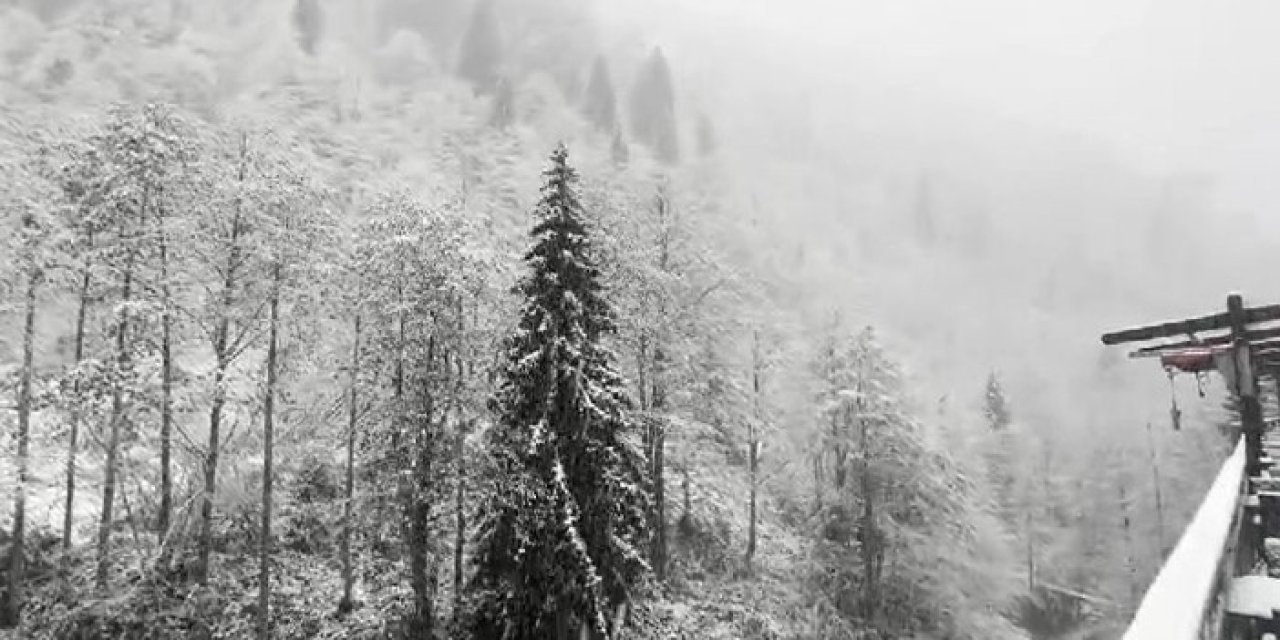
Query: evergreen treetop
995, 407
562, 547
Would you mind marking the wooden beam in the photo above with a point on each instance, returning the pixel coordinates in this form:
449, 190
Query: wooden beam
1253, 335
1216, 322
1202, 341
1192, 326
1262, 314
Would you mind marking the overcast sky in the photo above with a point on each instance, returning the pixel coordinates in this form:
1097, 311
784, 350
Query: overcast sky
1173, 85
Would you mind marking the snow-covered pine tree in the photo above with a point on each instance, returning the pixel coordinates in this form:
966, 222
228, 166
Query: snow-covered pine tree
897, 492
1003, 452
562, 545
995, 408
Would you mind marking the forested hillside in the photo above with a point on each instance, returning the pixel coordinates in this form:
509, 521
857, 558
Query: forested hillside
498, 319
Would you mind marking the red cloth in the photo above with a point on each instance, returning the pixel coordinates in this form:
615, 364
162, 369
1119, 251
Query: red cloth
1189, 360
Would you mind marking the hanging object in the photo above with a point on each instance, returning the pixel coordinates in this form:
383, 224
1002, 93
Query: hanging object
1201, 376
1175, 414
1189, 360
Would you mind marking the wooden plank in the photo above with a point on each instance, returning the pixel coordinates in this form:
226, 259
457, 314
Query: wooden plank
1176, 604
1254, 597
1215, 322
1265, 313
1263, 335
1254, 336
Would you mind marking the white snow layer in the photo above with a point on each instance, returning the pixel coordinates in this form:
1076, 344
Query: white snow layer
1177, 601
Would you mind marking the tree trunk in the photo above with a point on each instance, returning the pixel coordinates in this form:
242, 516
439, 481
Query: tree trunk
11, 609
841, 469
1031, 551
420, 578
268, 436
113, 438
1135, 588
418, 512
751, 502
348, 573
660, 502
871, 547
73, 435
201, 573
166, 393
817, 481
658, 464
658, 400
753, 442
400, 411
1155, 473
564, 625
222, 354
684, 486
465, 371
460, 513
642, 372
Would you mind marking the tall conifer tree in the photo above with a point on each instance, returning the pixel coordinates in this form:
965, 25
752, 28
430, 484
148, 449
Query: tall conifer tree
563, 542
995, 408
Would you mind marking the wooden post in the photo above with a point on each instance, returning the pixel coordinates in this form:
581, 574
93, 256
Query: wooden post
1246, 386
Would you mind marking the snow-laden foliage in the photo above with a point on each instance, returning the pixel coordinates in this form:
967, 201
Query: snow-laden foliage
894, 494
352, 172
560, 547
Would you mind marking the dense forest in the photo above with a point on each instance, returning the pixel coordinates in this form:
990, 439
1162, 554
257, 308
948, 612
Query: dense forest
496, 319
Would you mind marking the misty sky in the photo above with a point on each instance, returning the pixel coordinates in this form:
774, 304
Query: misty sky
1172, 85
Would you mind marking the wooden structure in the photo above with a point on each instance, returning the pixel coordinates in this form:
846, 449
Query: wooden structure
1219, 581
